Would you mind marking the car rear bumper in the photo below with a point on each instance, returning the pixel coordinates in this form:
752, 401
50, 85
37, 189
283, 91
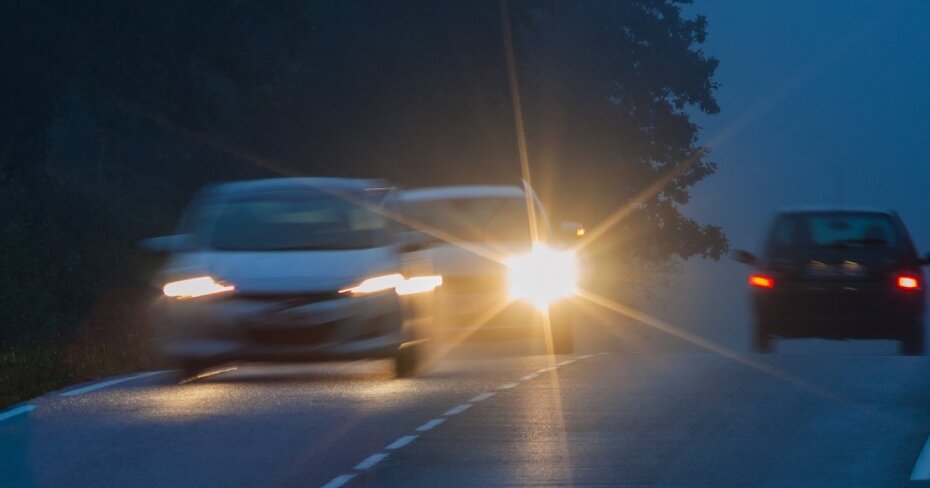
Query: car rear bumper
231, 328
843, 313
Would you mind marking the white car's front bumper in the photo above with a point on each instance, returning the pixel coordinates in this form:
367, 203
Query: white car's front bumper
279, 327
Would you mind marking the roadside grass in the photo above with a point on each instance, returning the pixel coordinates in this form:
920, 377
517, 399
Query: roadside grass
29, 372
110, 341
26, 373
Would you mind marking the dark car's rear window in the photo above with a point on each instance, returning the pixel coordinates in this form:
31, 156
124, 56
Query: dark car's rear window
836, 230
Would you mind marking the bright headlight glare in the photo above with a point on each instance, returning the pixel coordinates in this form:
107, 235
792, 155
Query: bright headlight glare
376, 284
419, 284
542, 276
195, 287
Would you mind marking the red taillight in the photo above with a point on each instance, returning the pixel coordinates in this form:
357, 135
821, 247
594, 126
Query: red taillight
908, 282
760, 281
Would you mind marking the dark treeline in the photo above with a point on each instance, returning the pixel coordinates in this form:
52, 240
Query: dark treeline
114, 112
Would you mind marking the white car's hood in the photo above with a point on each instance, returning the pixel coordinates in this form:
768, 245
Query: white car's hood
290, 271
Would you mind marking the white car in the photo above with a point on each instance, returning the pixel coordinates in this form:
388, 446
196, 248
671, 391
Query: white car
290, 269
498, 281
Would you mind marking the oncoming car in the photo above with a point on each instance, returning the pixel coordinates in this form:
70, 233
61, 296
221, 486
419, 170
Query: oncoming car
293, 269
838, 274
498, 283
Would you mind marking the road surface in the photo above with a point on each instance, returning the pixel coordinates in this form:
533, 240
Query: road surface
607, 416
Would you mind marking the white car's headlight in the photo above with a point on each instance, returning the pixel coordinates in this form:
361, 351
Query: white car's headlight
419, 284
542, 276
396, 282
375, 284
195, 287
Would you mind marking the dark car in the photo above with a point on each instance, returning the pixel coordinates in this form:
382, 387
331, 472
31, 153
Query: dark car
838, 274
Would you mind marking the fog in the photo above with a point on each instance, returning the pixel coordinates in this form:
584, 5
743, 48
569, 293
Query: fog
820, 104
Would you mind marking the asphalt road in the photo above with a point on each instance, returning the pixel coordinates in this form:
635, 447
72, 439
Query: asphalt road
611, 415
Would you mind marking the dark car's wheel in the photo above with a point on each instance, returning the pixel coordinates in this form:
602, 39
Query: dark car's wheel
761, 337
912, 344
406, 361
560, 322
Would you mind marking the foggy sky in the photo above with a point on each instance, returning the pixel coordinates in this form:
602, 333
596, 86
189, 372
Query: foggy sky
821, 103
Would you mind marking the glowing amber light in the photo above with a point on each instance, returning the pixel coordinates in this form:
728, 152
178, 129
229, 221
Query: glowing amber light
908, 282
760, 281
543, 276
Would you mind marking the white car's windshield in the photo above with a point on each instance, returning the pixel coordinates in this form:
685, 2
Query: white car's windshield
290, 221
497, 219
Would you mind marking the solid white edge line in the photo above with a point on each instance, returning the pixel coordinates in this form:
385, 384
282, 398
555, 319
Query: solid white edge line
567, 362
429, 425
482, 397
529, 377
370, 461
207, 374
338, 481
922, 465
457, 409
401, 442
16, 411
104, 384
507, 386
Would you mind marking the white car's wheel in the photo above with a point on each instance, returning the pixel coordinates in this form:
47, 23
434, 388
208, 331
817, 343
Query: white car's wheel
407, 361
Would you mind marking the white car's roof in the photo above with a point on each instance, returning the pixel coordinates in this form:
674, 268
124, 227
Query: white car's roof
277, 184
465, 191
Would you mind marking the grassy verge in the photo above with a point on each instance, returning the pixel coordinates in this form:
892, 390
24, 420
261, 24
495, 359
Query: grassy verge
110, 341
26, 373
29, 372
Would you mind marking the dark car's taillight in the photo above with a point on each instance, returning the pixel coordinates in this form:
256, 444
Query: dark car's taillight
761, 281
908, 281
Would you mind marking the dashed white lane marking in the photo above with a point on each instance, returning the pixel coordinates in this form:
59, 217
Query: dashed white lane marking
482, 397
338, 481
429, 425
16, 411
457, 410
922, 466
401, 442
104, 384
371, 461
